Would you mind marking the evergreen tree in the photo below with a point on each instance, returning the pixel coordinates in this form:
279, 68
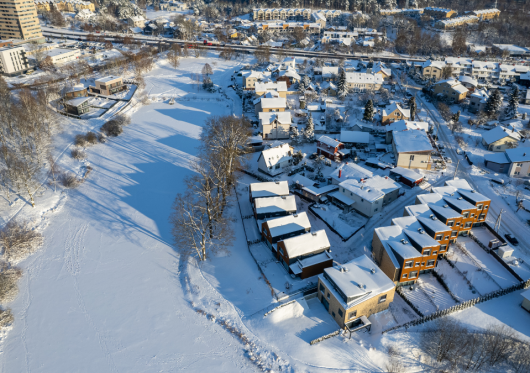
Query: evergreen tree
309, 133
493, 104
513, 103
456, 117
342, 88
413, 108
369, 111
207, 84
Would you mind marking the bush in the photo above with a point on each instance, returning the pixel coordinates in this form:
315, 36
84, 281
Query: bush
69, 180
78, 154
91, 138
80, 140
102, 138
8, 284
6, 317
122, 120
112, 128
18, 240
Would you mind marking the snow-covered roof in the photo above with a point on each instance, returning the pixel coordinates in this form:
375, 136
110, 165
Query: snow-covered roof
363, 78
137, 18
499, 158
526, 294
298, 267
459, 184
303, 181
380, 67
275, 204
276, 155
407, 173
393, 239
445, 211
499, 133
421, 238
270, 189
402, 125
393, 107
107, 79
305, 244
271, 86
468, 80
368, 193
328, 141
290, 73
434, 198
519, 154
288, 224
411, 141
318, 191
355, 137
283, 117
359, 280
273, 103
77, 101
351, 171
459, 203
330, 71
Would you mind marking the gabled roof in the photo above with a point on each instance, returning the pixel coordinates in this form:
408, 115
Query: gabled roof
275, 204
273, 103
420, 238
499, 158
351, 171
283, 117
269, 189
369, 193
329, 141
305, 244
445, 212
411, 141
393, 107
473, 196
271, 86
459, 203
288, 224
518, 154
499, 133
407, 173
276, 155
363, 78
359, 137
403, 125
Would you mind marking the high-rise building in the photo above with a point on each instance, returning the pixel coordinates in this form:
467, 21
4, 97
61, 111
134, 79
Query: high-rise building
13, 61
18, 20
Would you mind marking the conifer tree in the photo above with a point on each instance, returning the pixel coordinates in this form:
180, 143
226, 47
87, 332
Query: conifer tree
413, 108
369, 111
309, 133
513, 103
493, 104
342, 88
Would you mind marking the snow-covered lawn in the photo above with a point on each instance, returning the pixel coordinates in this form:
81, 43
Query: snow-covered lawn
421, 299
344, 224
455, 281
432, 287
495, 269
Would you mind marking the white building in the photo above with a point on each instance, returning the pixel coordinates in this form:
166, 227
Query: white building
136, 21
275, 160
275, 126
85, 15
358, 82
270, 189
13, 61
350, 171
60, 56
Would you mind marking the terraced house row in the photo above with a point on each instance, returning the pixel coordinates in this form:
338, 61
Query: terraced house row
414, 242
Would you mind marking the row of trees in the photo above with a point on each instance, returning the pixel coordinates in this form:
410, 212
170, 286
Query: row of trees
200, 222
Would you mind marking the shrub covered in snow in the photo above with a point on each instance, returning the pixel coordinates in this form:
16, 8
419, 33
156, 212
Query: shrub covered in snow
78, 154
18, 240
8, 283
69, 180
6, 317
112, 128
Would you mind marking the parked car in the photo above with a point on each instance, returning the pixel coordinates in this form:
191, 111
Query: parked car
511, 239
497, 180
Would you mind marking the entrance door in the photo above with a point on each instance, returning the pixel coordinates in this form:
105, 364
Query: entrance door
325, 302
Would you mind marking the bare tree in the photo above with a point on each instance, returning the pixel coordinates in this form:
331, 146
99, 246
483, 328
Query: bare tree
18, 240
207, 70
8, 282
173, 58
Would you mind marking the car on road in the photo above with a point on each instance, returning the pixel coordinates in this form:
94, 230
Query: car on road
511, 239
448, 160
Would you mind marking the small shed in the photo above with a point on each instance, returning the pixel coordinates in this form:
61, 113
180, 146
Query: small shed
406, 176
526, 300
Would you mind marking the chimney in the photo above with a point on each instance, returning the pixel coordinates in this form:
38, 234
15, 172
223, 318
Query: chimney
340, 173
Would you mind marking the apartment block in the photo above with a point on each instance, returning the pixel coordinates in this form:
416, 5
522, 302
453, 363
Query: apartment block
13, 61
18, 20
281, 14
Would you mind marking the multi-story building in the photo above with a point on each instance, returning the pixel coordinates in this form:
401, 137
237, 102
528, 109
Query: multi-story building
353, 291
136, 21
60, 56
439, 13
18, 20
393, 113
485, 14
445, 24
108, 85
288, 27
13, 61
451, 89
359, 82
65, 5
412, 149
293, 14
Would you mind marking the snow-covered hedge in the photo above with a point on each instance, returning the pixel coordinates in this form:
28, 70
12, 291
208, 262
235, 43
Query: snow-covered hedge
280, 306
327, 336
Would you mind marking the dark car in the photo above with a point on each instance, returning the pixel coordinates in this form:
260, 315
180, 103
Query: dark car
511, 239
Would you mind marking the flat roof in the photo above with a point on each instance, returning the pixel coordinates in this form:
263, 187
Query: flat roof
107, 78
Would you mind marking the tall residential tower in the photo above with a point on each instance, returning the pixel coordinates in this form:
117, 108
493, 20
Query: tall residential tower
18, 20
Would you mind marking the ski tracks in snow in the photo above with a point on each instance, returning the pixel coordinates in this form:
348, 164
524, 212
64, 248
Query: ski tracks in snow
73, 251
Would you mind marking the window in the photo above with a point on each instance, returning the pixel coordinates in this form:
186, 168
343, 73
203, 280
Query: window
439, 237
322, 289
446, 237
417, 264
450, 223
327, 296
404, 275
465, 214
472, 215
333, 313
443, 247
409, 264
352, 314
277, 166
454, 233
485, 207
434, 252
413, 274
411, 157
427, 252
468, 225
457, 223
430, 263
479, 207
382, 298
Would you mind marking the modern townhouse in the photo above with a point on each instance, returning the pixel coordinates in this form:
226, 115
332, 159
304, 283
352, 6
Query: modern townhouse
272, 207
268, 190
294, 14
279, 229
